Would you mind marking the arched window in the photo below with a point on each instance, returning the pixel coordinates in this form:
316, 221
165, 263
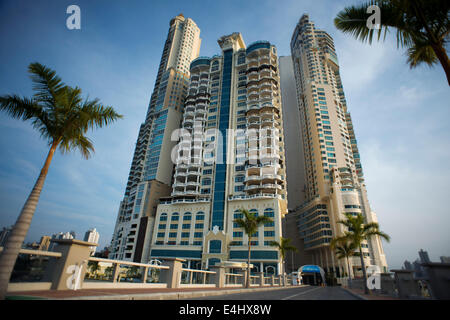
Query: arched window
163, 217
238, 214
269, 212
175, 216
187, 216
200, 216
254, 211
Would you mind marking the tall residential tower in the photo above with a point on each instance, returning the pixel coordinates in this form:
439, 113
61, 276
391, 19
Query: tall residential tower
230, 157
333, 173
151, 168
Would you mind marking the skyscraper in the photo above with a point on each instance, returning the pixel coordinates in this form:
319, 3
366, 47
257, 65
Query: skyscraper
151, 168
333, 173
230, 157
92, 236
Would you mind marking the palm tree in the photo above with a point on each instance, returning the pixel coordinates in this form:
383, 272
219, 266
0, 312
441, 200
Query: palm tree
344, 250
422, 27
61, 116
93, 267
250, 222
283, 246
357, 232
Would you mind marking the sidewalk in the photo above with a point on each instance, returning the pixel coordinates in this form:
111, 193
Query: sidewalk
133, 294
373, 296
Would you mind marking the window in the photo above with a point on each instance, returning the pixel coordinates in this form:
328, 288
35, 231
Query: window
175, 216
200, 216
241, 59
187, 216
215, 246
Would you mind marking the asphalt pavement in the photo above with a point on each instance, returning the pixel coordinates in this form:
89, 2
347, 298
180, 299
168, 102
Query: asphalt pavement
300, 293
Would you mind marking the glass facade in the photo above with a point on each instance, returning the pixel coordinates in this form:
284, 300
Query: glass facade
221, 155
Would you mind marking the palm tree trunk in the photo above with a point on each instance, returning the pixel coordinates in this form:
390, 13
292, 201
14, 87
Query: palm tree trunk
363, 266
15, 240
437, 46
247, 285
441, 54
349, 273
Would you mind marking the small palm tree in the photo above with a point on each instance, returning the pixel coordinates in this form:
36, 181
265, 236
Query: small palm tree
93, 267
422, 27
283, 246
250, 223
63, 118
357, 232
344, 250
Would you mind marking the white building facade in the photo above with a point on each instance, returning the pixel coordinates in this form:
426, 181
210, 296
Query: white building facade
151, 168
230, 156
333, 174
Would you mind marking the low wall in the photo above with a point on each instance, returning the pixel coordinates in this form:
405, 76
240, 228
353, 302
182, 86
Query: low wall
121, 285
28, 286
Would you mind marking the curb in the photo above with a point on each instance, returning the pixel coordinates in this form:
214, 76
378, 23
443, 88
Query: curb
358, 296
173, 295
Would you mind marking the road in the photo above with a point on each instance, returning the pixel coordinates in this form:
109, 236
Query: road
300, 293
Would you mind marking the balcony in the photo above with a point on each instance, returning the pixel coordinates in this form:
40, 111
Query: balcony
252, 178
252, 187
253, 124
178, 184
271, 177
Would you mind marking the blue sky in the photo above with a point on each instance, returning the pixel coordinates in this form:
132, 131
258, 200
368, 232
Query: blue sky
400, 115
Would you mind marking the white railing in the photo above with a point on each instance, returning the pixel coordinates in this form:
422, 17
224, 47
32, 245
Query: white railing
234, 279
121, 278
196, 278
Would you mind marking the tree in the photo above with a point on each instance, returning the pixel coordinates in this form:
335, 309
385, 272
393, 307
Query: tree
422, 27
283, 246
250, 222
93, 267
358, 231
344, 250
62, 118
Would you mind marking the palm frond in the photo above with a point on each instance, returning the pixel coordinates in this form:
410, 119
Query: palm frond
421, 52
19, 108
45, 82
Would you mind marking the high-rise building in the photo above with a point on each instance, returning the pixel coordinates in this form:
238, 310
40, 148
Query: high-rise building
230, 157
92, 236
295, 163
334, 182
151, 168
4, 234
